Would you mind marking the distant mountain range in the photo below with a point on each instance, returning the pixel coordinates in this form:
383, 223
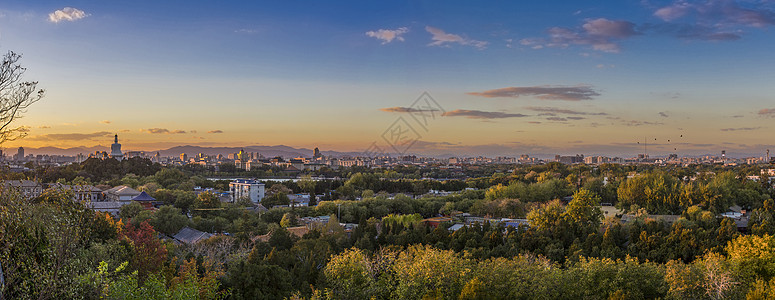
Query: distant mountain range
286, 151
266, 151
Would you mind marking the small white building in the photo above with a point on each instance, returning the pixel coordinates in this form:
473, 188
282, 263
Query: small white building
246, 188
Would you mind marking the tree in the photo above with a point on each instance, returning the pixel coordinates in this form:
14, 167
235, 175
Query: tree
307, 184
349, 275
258, 280
170, 178
583, 212
168, 220
15, 96
275, 199
278, 188
207, 201
42, 245
753, 257
149, 253
130, 210
289, 220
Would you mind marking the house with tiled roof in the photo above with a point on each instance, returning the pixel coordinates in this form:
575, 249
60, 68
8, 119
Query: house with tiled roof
81, 193
189, 235
115, 198
27, 188
145, 200
121, 193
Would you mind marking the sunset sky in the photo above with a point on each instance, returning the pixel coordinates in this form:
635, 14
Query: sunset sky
507, 77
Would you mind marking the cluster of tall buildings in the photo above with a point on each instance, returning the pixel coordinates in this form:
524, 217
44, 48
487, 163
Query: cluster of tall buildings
250, 160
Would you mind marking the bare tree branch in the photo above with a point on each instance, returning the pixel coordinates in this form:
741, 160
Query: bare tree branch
15, 96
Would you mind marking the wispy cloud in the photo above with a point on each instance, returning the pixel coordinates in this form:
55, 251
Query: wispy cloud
402, 109
557, 119
601, 34
478, 114
70, 136
44, 127
105, 122
767, 112
638, 123
692, 32
388, 35
719, 13
546, 92
712, 20
162, 131
247, 31
441, 38
215, 131
663, 114
741, 129
555, 110
66, 14
671, 95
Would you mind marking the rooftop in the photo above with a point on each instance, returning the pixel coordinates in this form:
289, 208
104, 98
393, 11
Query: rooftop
188, 235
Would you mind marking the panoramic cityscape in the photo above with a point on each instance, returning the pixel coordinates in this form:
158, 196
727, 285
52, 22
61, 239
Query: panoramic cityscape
387, 150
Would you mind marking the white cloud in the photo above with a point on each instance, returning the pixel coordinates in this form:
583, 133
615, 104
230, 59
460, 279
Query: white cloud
67, 14
440, 38
388, 35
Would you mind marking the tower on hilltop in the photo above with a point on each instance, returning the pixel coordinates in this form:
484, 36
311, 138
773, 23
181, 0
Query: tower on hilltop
115, 149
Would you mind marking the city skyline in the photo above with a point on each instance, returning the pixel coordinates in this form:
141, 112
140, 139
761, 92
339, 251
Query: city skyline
563, 77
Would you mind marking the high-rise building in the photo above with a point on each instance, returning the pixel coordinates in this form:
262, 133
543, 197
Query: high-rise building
240, 155
316, 153
20, 153
183, 157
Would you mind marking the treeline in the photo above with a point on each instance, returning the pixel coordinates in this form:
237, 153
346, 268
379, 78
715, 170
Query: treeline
660, 193
54, 248
420, 272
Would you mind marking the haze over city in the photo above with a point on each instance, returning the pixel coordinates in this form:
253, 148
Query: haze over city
566, 77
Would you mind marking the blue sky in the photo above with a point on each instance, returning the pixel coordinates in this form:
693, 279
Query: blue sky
512, 77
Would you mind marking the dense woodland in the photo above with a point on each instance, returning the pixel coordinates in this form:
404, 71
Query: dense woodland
51, 247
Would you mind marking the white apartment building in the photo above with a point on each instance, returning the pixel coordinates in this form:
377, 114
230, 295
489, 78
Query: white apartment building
246, 188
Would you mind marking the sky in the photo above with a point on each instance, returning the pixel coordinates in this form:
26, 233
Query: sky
427, 77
